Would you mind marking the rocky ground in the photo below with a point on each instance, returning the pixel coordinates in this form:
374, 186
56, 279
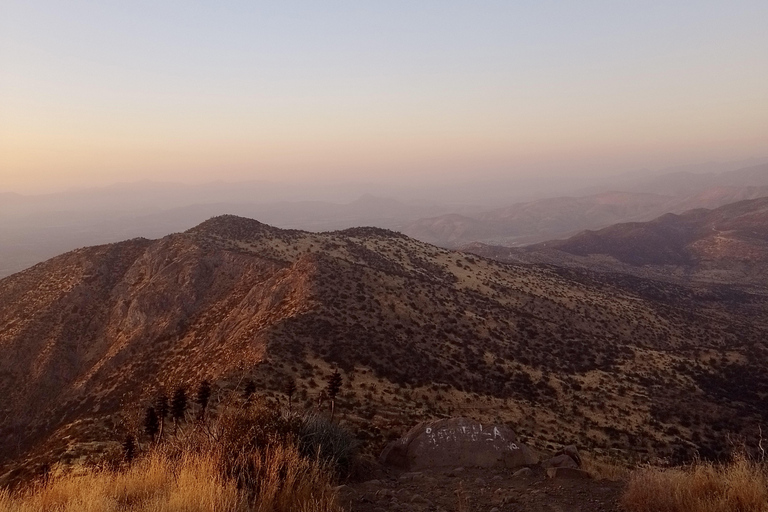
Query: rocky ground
478, 489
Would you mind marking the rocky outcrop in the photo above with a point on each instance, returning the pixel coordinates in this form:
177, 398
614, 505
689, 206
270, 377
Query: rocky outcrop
567, 458
458, 442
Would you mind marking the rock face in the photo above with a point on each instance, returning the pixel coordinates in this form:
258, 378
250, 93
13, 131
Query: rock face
458, 442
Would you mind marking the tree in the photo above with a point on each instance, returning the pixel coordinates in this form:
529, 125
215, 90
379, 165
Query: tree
129, 448
332, 389
178, 405
290, 389
161, 410
203, 395
151, 423
250, 389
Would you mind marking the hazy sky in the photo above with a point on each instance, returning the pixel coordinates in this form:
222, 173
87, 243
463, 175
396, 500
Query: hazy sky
105, 91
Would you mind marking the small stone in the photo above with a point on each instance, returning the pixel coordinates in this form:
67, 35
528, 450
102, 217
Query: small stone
569, 473
523, 473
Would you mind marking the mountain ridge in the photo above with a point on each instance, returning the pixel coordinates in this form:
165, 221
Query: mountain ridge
417, 331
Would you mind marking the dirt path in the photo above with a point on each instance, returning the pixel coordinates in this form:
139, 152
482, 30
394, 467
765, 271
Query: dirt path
478, 490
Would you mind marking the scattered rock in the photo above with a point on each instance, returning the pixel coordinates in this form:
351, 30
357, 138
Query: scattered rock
523, 473
560, 461
445, 442
572, 452
569, 473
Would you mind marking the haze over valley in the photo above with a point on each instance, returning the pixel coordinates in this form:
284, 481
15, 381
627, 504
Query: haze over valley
36, 227
437, 256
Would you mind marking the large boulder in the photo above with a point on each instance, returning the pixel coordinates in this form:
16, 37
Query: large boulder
458, 442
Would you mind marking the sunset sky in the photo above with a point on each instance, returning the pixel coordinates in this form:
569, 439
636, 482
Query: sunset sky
93, 93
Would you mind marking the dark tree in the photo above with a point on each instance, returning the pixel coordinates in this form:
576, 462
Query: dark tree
250, 389
332, 389
161, 409
178, 405
129, 448
151, 423
290, 389
203, 395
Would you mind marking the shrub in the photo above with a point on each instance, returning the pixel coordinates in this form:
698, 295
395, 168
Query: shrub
331, 443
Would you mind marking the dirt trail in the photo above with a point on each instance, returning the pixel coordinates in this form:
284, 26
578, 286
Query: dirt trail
478, 490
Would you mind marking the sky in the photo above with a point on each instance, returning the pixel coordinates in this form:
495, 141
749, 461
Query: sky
93, 93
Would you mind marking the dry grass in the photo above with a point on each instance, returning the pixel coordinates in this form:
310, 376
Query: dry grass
158, 483
604, 469
741, 486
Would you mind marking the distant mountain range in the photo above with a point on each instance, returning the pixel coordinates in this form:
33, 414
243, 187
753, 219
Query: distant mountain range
726, 245
560, 217
34, 228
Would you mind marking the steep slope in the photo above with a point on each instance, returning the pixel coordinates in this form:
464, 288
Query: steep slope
88, 338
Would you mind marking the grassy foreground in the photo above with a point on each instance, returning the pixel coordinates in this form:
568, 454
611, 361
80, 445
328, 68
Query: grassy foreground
740, 486
248, 458
194, 482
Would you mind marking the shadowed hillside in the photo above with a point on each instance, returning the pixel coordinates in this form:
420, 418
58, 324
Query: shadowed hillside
727, 246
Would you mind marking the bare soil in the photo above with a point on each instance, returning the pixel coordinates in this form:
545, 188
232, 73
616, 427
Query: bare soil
478, 489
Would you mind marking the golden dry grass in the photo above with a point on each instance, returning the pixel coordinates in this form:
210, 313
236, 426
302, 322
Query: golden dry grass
740, 486
193, 482
603, 469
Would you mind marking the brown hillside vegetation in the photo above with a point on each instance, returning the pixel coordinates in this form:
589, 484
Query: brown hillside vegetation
639, 369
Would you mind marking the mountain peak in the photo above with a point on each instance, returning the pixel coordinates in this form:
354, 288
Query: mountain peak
235, 227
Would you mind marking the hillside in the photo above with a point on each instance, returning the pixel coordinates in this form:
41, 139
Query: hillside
726, 245
88, 338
